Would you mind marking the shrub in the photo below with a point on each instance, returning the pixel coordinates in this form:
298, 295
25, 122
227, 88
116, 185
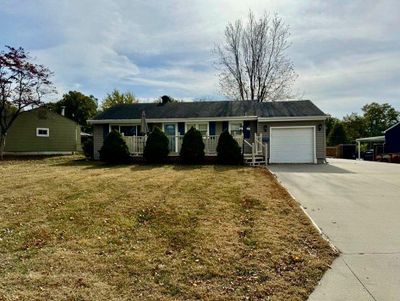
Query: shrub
156, 149
192, 151
114, 149
88, 148
228, 150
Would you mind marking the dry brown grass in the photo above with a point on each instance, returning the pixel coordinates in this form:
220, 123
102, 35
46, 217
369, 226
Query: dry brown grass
73, 230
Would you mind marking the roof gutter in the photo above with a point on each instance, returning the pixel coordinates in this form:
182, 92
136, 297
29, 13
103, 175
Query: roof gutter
292, 118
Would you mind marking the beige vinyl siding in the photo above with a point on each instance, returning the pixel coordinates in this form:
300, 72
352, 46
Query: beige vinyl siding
320, 139
97, 140
64, 134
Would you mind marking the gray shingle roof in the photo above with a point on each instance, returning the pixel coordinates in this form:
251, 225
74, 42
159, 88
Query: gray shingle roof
211, 109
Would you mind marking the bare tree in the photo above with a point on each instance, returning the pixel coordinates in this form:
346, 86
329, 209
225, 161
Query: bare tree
22, 85
252, 60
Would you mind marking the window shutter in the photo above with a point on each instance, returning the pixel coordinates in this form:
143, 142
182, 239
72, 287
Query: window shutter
181, 128
225, 125
105, 130
211, 128
246, 132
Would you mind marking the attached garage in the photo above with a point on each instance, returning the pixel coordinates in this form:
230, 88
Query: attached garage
292, 144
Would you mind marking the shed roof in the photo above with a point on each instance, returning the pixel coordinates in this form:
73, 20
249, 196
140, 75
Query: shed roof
392, 127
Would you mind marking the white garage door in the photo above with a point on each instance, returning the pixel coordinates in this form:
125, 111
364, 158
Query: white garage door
292, 145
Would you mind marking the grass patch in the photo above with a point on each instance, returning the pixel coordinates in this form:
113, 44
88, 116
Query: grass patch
76, 230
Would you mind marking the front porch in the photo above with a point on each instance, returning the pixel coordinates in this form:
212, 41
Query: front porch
255, 151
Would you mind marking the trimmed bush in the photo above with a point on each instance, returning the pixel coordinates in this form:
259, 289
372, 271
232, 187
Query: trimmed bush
228, 150
114, 149
156, 149
192, 151
88, 148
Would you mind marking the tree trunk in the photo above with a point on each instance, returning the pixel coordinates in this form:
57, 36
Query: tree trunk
2, 145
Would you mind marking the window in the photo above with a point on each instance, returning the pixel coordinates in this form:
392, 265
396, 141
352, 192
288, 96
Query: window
236, 128
130, 130
42, 132
126, 130
201, 127
115, 128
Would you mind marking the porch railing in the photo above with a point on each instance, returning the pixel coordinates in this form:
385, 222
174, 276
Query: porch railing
258, 151
210, 144
258, 144
136, 144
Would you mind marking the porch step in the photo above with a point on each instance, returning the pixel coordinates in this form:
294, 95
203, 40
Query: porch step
258, 160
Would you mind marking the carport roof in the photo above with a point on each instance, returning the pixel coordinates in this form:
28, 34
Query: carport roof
371, 139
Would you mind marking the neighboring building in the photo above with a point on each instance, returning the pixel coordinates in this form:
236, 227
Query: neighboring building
389, 143
279, 131
392, 139
43, 132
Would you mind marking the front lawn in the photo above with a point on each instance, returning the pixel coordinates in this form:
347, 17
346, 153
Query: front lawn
74, 230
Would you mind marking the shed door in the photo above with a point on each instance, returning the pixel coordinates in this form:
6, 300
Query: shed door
292, 145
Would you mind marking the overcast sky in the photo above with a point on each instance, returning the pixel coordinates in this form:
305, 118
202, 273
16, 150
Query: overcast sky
346, 53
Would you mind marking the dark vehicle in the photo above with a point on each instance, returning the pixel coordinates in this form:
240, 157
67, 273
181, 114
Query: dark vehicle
369, 155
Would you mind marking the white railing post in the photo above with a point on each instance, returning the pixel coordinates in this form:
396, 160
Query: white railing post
253, 155
266, 153
255, 142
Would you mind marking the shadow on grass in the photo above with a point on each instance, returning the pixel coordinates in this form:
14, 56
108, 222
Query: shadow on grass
223, 168
28, 157
142, 166
88, 164
183, 167
174, 166
146, 166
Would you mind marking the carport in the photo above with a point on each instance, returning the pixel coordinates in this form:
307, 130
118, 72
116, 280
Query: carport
370, 140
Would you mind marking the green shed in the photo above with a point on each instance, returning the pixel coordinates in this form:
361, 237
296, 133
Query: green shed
43, 132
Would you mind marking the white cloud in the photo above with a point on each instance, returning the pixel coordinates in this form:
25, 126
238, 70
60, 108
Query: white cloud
346, 53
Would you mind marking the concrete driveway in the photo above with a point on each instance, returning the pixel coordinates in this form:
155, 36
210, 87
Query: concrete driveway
357, 205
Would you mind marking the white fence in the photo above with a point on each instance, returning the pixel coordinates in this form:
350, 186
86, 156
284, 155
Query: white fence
136, 144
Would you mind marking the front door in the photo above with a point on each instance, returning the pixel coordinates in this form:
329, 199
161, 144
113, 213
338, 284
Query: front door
170, 131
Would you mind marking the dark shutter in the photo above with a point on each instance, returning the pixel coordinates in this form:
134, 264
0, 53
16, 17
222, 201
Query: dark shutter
105, 130
246, 132
181, 128
211, 128
225, 125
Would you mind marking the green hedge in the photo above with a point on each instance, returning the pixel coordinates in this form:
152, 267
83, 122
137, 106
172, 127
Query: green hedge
228, 150
192, 150
114, 149
156, 149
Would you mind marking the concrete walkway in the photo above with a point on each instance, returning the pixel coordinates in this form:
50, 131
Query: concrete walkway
357, 205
